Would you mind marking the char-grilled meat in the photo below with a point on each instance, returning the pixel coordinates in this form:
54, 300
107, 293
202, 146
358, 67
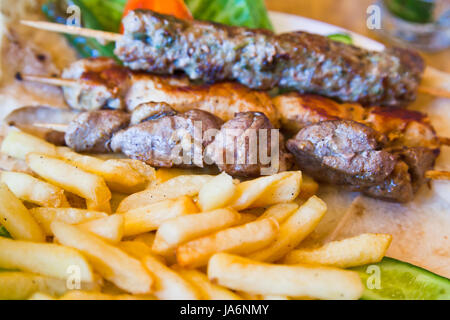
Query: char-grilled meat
407, 177
103, 84
92, 131
248, 145
260, 59
342, 152
169, 141
357, 157
397, 187
151, 111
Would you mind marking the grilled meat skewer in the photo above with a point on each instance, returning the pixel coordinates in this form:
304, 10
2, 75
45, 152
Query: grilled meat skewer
342, 152
164, 138
355, 156
260, 59
348, 145
401, 133
102, 83
300, 61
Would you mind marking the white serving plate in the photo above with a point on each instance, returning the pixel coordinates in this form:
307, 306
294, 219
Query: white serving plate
420, 229
284, 22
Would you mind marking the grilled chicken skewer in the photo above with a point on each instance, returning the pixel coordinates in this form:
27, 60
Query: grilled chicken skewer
259, 59
96, 83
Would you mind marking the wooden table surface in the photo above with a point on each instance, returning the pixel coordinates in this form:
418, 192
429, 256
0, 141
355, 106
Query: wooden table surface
349, 14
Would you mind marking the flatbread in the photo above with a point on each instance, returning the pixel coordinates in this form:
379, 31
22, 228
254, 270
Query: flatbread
420, 229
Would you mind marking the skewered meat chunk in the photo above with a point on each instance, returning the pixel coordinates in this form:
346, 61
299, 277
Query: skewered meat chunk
406, 178
151, 111
103, 83
260, 59
357, 157
402, 127
92, 131
249, 146
169, 141
342, 152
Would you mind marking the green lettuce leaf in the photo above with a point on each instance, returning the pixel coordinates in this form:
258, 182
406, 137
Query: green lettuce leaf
55, 10
244, 13
106, 15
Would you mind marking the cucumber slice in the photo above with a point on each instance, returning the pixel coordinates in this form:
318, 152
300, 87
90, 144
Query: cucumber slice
402, 281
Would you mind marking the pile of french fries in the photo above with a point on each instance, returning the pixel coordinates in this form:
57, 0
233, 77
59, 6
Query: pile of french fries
85, 227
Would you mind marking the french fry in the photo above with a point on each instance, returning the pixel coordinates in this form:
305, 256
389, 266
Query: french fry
110, 262
166, 174
28, 188
146, 171
243, 239
136, 249
41, 296
89, 295
182, 229
21, 285
119, 175
18, 145
284, 190
109, 228
45, 216
147, 238
70, 178
280, 212
309, 187
240, 273
102, 207
171, 189
248, 296
116, 199
249, 191
274, 297
75, 201
209, 290
217, 192
357, 251
16, 218
46, 259
246, 218
296, 228
150, 217
169, 285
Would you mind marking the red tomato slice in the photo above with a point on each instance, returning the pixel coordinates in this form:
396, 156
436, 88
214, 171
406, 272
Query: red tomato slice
175, 8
